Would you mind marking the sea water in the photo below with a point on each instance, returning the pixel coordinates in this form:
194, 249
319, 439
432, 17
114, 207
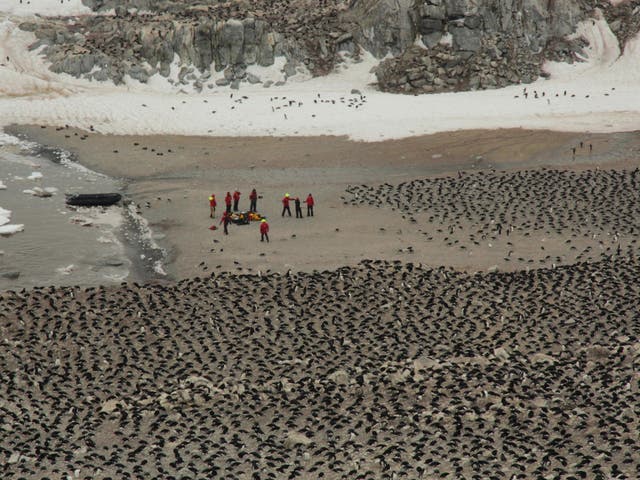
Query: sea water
59, 245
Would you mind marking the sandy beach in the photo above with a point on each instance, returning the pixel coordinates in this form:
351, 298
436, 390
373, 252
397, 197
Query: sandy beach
172, 189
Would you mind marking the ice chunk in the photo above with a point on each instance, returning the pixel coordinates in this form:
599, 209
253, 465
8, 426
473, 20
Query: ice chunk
66, 270
39, 192
7, 230
34, 176
5, 215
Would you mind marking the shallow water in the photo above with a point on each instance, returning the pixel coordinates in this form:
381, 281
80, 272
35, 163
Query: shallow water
59, 245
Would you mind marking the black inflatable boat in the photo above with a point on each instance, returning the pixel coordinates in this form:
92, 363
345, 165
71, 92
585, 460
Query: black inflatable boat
93, 199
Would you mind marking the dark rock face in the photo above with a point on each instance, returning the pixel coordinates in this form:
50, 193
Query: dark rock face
489, 44
470, 44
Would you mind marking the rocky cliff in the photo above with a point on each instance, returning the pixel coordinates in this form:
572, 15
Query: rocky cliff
148, 36
471, 44
435, 45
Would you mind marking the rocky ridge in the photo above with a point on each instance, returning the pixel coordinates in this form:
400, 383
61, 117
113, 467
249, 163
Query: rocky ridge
465, 45
144, 40
436, 45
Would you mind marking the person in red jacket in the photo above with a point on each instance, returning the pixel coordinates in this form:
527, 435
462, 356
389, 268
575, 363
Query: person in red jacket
227, 202
264, 230
285, 204
310, 203
253, 197
236, 200
226, 218
212, 206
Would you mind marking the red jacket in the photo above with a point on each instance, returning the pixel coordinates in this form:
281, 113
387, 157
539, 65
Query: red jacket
309, 201
285, 201
227, 199
225, 218
236, 195
253, 195
212, 201
264, 227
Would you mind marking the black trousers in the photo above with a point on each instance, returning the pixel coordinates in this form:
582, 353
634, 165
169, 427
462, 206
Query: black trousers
263, 236
229, 208
309, 210
286, 209
226, 224
254, 205
235, 205
298, 212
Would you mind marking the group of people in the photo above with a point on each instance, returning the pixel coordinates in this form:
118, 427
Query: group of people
287, 209
234, 200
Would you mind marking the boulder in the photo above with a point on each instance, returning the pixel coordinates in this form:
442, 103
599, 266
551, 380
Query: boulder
466, 39
10, 275
294, 439
253, 79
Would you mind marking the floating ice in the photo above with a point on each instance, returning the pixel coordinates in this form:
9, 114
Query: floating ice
41, 192
7, 230
2, 186
34, 176
66, 270
5, 216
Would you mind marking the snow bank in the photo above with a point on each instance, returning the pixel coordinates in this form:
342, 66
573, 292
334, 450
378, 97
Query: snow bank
48, 8
601, 96
602, 52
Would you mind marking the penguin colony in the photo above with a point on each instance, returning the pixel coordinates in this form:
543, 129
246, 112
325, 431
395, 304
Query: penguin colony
594, 214
385, 370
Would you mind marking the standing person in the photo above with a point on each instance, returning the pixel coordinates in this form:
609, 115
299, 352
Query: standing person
285, 204
236, 200
226, 218
298, 209
253, 197
264, 230
212, 206
310, 203
227, 202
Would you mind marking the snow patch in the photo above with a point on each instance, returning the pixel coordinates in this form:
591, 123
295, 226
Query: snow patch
446, 40
419, 43
46, 8
603, 50
273, 73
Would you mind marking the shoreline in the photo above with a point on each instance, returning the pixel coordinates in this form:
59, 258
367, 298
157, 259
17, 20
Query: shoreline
171, 189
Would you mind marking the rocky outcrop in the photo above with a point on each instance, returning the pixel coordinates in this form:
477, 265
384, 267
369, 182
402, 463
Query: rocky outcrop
481, 44
227, 37
435, 45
